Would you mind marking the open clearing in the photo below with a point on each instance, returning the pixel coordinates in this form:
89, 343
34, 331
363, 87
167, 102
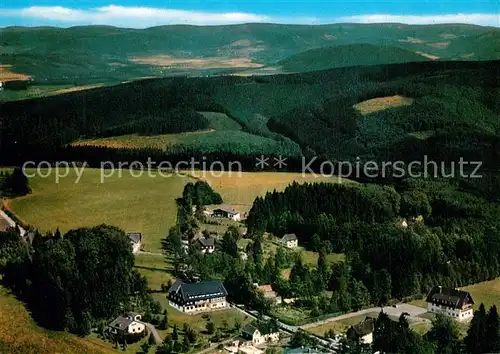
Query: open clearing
145, 204
131, 141
241, 189
382, 103
155, 268
196, 63
220, 121
20, 334
430, 56
7, 75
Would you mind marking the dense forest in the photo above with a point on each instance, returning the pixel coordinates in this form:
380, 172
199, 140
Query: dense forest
412, 236
455, 114
86, 276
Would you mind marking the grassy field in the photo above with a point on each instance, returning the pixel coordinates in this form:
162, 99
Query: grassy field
145, 204
240, 190
340, 326
487, 292
382, 103
197, 322
155, 268
20, 334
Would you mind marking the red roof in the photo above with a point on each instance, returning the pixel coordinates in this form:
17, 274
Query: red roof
266, 288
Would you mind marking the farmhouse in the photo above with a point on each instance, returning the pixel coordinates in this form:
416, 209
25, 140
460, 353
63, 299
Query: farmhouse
270, 294
252, 336
207, 244
362, 332
227, 212
127, 324
135, 241
289, 241
197, 297
450, 302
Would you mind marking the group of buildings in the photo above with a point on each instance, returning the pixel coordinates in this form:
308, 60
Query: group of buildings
450, 302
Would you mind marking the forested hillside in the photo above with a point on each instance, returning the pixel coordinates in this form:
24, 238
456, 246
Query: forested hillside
348, 55
454, 112
101, 53
451, 237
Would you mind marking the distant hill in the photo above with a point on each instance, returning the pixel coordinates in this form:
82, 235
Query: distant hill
96, 54
348, 55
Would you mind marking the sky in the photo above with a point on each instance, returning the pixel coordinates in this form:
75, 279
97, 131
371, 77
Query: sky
148, 13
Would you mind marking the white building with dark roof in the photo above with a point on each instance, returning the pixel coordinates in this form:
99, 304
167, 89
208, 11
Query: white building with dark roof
207, 244
135, 241
198, 297
289, 241
127, 324
451, 302
227, 212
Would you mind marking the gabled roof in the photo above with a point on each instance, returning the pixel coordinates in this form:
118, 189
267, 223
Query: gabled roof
135, 237
121, 323
199, 291
363, 328
289, 237
449, 297
248, 329
207, 242
131, 314
227, 208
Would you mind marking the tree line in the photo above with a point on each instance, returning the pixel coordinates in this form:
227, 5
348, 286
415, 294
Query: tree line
74, 281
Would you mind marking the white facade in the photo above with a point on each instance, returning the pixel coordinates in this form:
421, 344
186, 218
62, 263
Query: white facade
290, 243
136, 247
201, 306
136, 327
368, 339
450, 311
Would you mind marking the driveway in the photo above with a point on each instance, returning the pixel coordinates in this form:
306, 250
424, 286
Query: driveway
153, 332
413, 312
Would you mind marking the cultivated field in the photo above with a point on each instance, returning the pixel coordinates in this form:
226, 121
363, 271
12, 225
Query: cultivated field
382, 103
145, 204
196, 63
19, 334
6, 74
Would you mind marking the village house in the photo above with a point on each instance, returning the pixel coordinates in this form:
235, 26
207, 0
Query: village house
197, 297
135, 241
252, 336
362, 332
451, 302
270, 294
207, 244
227, 212
289, 241
128, 324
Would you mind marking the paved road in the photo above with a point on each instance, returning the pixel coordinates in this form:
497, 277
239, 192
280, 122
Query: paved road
413, 312
153, 332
